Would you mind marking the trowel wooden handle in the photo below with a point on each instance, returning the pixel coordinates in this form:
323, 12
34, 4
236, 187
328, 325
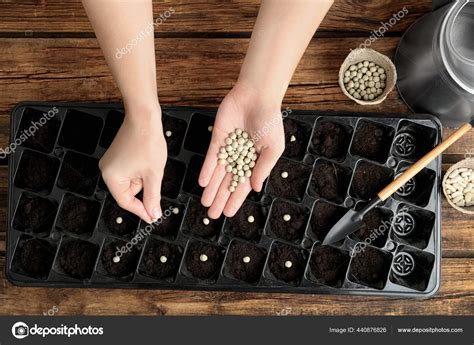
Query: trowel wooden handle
423, 162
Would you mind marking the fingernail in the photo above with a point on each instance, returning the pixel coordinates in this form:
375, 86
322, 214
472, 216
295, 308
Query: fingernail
156, 214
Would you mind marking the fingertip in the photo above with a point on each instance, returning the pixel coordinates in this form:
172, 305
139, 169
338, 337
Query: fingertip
213, 214
205, 201
256, 185
203, 182
230, 212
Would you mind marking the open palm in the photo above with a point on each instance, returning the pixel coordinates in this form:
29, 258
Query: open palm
241, 108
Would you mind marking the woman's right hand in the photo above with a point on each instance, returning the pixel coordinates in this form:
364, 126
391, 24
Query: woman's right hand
135, 161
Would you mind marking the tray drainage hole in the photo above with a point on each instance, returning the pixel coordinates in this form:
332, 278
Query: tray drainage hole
59, 152
408, 188
391, 162
403, 264
404, 224
405, 144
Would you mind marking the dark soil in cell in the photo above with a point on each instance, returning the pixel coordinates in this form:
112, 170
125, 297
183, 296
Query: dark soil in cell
79, 174
292, 230
35, 214
324, 217
40, 131
292, 187
80, 131
282, 253
375, 227
329, 265
191, 184
36, 172
240, 226
330, 181
77, 258
172, 178
200, 269
370, 267
36, 257
117, 220
295, 147
157, 251
369, 179
198, 136
168, 225
78, 215
246, 271
174, 130
372, 141
113, 122
331, 140
128, 261
195, 218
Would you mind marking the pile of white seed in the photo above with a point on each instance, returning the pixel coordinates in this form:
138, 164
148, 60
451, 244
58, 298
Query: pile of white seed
365, 80
460, 187
239, 155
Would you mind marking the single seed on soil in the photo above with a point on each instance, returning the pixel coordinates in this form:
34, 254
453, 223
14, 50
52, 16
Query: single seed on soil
203, 257
286, 217
284, 174
175, 210
116, 259
251, 219
206, 221
119, 220
168, 133
292, 138
163, 259
288, 264
246, 259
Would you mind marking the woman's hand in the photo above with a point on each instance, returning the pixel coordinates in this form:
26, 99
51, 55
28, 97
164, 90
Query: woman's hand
242, 108
136, 161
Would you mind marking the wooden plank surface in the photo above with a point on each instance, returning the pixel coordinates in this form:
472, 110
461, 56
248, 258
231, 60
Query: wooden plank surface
455, 297
32, 17
190, 72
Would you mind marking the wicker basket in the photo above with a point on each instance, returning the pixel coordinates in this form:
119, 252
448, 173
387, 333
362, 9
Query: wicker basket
466, 163
361, 54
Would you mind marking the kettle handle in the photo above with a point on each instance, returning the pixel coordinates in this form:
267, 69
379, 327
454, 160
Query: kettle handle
439, 3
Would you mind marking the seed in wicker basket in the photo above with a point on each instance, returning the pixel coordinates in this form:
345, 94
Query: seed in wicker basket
460, 187
365, 80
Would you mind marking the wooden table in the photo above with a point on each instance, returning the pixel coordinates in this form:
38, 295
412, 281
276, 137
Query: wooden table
49, 53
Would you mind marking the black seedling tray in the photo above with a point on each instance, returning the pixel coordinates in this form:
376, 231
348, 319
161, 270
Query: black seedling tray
62, 228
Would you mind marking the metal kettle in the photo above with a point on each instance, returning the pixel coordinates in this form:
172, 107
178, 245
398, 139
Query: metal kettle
435, 63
